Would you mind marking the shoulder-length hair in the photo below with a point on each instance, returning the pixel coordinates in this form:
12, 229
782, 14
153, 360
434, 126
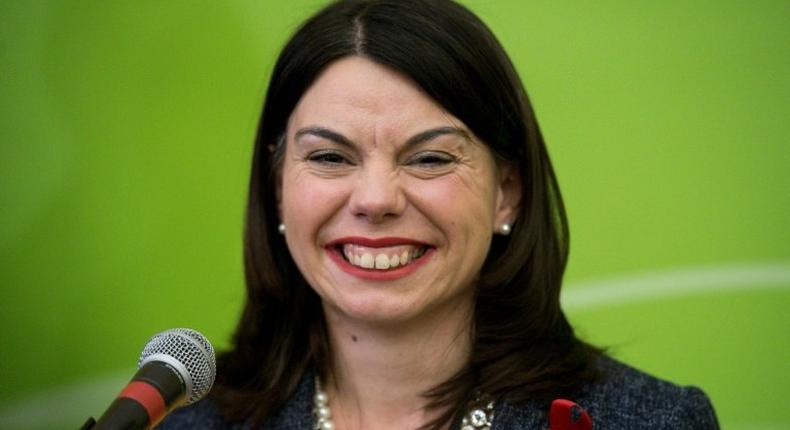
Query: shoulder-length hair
523, 347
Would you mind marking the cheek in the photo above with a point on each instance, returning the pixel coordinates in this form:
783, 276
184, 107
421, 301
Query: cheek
308, 203
455, 204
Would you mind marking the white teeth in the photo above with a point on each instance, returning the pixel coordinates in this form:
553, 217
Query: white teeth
357, 256
366, 261
382, 262
347, 253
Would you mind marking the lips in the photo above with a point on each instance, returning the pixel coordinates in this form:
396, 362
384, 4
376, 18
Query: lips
379, 255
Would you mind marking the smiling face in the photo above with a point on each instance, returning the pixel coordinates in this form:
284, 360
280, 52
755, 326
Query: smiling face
389, 202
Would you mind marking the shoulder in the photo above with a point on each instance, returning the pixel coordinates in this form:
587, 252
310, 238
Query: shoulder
622, 399
627, 398
296, 414
203, 415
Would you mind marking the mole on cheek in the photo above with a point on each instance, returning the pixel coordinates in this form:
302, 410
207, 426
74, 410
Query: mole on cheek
354, 338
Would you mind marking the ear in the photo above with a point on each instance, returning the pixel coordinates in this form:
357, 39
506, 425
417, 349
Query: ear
278, 191
508, 196
274, 154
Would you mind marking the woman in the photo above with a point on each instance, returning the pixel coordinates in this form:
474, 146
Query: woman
405, 243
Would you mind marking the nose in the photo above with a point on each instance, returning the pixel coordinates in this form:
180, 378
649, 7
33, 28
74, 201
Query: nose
377, 195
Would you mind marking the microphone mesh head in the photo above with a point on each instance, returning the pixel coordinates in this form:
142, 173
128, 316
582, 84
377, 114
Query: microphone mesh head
192, 350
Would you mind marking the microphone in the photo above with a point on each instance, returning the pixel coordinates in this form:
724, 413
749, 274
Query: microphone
176, 368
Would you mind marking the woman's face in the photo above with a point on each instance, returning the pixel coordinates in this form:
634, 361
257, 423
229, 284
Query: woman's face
389, 201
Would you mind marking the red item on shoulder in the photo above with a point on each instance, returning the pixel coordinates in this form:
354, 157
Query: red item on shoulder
567, 415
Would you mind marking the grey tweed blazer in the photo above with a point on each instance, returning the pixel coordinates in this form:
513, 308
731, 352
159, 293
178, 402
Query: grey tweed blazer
624, 399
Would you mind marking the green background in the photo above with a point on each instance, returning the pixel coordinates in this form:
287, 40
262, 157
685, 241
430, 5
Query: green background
125, 138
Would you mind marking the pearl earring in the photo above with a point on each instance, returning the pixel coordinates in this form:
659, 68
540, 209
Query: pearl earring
281, 228
505, 229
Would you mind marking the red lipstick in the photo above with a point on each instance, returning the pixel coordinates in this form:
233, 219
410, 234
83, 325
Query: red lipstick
377, 242
335, 254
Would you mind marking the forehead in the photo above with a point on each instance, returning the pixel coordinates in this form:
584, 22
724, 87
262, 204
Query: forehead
357, 94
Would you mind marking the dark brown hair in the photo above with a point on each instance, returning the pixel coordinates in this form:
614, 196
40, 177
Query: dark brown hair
523, 347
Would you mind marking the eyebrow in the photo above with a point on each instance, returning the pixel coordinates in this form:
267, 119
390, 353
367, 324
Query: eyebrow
417, 139
436, 132
324, 133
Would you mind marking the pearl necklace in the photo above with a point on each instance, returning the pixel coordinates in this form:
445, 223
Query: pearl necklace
479, 416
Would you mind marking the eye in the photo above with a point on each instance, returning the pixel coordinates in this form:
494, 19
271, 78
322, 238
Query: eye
328, 158
431, 159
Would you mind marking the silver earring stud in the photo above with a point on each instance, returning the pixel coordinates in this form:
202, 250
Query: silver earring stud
505, 229
281, 228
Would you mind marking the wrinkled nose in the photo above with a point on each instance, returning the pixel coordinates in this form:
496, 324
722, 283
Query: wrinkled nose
377, 195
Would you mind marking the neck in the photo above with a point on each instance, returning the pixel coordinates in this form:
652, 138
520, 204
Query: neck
381, 371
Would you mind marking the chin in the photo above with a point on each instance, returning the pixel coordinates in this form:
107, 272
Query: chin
375, 311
